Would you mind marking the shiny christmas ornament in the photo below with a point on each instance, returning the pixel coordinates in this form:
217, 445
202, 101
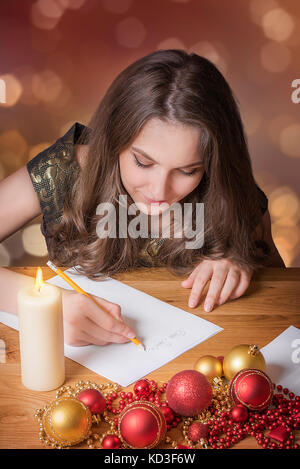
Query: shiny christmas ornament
209, 366
142, 388
197, 430
188, 392
168, 413
67, 421
93, 399
111, 442
279, 433
251, 388
142, 425
241, 357
239, 413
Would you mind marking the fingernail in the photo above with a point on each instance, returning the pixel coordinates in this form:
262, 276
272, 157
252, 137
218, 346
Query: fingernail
192, 303
131, 335
207, 307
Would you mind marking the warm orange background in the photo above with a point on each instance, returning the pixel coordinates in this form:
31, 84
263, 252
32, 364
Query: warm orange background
58, 57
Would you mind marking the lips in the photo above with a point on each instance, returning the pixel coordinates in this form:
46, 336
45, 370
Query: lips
151, 201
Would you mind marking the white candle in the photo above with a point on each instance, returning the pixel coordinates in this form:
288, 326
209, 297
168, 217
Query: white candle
41, 336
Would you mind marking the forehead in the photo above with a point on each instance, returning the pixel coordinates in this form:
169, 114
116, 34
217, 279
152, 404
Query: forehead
161, 139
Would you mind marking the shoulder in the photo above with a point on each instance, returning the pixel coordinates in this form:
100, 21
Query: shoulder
52, 171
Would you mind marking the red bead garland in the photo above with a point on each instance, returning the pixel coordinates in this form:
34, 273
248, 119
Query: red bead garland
223, 431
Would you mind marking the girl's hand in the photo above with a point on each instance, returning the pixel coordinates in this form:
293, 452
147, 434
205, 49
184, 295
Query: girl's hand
227, 281
85, 323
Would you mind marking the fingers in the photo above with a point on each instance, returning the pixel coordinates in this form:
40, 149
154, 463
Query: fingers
188, 282
107, 315
215, 287
241, 287
231, 282
201, 279
96, 335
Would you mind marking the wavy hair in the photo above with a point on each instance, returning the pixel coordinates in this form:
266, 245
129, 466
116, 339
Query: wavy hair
178, 87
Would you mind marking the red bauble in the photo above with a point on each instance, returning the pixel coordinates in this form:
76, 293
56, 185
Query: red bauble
93, 399
142, 425
142, 388
197, 430
168, 413
111, 442
279, 433
188, 393
239, 413
251, 388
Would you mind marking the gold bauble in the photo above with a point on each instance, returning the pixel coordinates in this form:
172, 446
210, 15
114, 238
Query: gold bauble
209, 366
67, 421
240, 357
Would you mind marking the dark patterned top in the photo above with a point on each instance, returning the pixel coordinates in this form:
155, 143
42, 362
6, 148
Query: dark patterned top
52, 172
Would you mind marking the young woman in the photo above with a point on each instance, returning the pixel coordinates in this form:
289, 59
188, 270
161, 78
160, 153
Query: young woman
167, 130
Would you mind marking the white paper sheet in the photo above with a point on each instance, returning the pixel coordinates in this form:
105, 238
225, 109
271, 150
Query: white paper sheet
165, 330
282, 357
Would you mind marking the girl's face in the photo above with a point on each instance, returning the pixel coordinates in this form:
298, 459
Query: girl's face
161, 165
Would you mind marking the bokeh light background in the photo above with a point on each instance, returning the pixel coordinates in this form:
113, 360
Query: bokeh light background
58, 57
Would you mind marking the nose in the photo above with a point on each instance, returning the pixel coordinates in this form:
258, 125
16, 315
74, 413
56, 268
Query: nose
160, 188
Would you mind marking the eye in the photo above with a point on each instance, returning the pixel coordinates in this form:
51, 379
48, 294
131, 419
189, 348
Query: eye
138, 163
141, 165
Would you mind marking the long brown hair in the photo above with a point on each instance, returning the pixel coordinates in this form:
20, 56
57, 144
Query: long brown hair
174, 86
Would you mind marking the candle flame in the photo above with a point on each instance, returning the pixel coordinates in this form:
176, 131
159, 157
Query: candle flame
39, 279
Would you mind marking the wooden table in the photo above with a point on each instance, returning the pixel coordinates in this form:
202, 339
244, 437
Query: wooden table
270, 305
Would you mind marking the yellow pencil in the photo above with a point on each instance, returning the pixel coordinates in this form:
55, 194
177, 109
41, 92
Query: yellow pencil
77, 288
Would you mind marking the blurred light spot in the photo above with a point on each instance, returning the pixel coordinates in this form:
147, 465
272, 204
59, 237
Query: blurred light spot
289, 140
276, 125
39, 20
25, 75
36, 149
2, 172
13, 89
46, 85
4, 256
258, 8
171, 43
49, 8
287, 255
291, 235
277, 24
284, 203
275, 57
13, 148
2, 91
33, 241
130, 32
61, 102
252, 120
216, 53
117, 6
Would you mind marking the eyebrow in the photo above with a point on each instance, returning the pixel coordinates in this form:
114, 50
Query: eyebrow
197, 163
